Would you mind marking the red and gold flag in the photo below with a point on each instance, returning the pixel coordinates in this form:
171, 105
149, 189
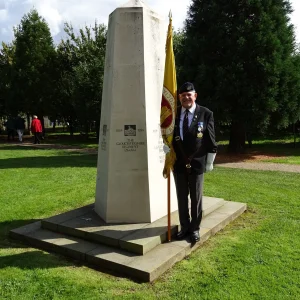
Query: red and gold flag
168, 103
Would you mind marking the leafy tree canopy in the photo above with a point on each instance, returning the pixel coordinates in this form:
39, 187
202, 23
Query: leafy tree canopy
238, 54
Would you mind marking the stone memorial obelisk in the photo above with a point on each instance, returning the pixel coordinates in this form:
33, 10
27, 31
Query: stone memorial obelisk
130, 186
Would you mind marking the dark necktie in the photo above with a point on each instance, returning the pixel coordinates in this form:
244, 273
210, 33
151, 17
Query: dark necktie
185, 125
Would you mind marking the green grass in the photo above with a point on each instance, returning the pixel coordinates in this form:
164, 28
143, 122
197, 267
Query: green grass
255, 257
294, 160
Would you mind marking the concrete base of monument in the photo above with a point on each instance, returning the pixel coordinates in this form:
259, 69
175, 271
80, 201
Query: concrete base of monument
139, 251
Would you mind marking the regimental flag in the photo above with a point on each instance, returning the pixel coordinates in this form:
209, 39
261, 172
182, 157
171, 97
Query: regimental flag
168, 103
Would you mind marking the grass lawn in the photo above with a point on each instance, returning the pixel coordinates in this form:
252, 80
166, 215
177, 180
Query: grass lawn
294, 160
255, 257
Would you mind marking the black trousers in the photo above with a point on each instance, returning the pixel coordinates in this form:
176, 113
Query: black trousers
189, 184
37, 136
10, 134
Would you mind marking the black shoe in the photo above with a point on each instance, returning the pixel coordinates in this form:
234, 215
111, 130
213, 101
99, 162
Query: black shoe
182, 234
195, 237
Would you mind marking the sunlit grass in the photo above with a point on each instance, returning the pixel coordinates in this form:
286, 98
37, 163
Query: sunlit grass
255, 257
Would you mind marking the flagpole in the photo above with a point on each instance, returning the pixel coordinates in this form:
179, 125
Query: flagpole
169, 183
169, 208
167, 115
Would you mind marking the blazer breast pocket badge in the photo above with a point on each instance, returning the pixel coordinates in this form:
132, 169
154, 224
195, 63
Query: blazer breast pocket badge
200, 130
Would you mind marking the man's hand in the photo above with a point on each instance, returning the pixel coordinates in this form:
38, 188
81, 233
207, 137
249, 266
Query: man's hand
166, 149
209, 161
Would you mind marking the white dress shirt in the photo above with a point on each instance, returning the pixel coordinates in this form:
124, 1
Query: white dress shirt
191, 112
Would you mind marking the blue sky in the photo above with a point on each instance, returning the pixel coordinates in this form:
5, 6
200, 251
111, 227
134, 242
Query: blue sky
79, 13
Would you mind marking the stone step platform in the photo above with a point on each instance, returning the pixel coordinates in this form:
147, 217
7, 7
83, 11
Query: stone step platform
145, 267
137, 238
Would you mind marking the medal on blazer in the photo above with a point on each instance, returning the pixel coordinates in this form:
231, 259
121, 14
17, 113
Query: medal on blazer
200, 126
200, 129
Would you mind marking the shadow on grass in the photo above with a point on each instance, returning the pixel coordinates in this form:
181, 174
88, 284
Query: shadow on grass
72, 160
29, 259
51, 143
27, 147
47, 146
5, 227
32, 260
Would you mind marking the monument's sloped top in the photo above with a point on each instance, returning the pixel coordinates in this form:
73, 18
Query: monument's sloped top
141, 4
135, 3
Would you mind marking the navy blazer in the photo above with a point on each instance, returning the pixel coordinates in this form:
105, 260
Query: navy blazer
199, 141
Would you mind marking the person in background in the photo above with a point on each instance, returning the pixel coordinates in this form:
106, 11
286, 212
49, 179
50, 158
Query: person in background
10, 128
36, 129
20, 126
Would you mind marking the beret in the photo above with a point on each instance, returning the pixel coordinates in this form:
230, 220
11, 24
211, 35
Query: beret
186, 87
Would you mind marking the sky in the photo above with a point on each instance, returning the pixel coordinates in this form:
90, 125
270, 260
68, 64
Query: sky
85, 12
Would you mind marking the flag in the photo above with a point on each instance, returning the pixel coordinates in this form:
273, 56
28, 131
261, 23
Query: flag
168, 103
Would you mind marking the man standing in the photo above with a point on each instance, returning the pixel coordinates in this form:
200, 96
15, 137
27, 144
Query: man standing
20, 126
195, 148
36, 129
10, 128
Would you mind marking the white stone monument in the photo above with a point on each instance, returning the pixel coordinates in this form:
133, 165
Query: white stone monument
130, 186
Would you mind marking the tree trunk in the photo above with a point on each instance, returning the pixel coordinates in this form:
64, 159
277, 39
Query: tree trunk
98, 128
237, 141
249, 138
294, 132
53, 126
86, 129
41, 117
71, 128
28, 122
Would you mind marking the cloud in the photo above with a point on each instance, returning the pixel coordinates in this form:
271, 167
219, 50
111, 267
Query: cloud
81, 13
3, 14
49, 10
295, 18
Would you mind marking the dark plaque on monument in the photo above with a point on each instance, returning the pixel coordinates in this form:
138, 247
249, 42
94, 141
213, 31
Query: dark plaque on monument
130, 130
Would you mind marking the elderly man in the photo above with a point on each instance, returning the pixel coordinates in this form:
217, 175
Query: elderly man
195, 147
36, 129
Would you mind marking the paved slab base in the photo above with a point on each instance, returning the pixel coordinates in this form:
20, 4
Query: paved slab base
139, 238
145, 267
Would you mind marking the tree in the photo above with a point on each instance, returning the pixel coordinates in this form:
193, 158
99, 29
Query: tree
81, 60
34, 59
236, 52
64, 107
288, 94
179, 53
6, 74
